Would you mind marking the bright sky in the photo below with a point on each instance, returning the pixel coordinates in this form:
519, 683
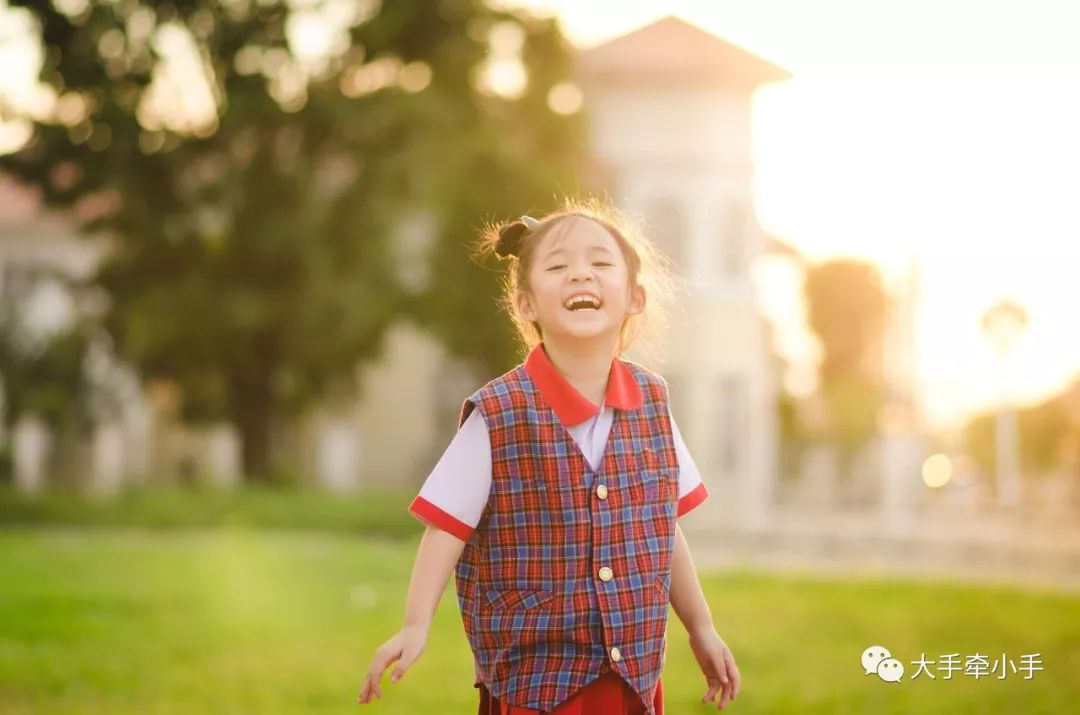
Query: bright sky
943, 131
936, 130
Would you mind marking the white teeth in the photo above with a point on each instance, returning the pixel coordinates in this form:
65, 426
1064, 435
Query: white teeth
582, 301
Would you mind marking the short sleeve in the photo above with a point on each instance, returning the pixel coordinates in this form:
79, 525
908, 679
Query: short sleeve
454, 495
692, 491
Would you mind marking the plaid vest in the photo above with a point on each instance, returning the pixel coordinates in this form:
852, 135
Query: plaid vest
567, 574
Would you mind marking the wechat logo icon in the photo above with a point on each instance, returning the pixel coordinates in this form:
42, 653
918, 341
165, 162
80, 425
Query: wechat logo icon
878, 659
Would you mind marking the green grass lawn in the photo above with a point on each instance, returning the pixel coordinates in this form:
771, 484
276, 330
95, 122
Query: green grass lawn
241, 620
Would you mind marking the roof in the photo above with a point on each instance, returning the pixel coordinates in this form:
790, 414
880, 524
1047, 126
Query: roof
673, 49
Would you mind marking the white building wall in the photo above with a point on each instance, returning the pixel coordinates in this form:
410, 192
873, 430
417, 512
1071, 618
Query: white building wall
674, 126
680, 159
402, 420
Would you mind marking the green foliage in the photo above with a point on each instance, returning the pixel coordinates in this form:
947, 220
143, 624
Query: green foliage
846, 307
1045, 429
854, 402
256, 258
847, 311
522, 158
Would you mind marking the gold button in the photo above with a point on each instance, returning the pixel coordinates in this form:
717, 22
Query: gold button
601, 491
615, 654
605, 573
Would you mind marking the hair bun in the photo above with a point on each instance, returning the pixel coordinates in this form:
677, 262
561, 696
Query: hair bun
510, 236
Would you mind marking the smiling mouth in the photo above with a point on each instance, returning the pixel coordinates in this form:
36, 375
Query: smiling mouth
583, 301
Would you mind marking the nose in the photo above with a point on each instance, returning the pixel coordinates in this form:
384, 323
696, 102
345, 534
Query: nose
581, 272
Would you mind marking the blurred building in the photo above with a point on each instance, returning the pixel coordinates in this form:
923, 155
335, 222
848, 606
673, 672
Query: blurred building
123, 431
45, 291
670, 115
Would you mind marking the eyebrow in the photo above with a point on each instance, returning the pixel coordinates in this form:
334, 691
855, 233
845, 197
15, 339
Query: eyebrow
592, 249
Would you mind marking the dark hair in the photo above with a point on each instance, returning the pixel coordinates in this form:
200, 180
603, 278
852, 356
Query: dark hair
511, 236
515, 242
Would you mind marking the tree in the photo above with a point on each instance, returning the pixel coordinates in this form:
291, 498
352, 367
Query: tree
846, 307
846, 310
524, 159
252, 163
1047, 429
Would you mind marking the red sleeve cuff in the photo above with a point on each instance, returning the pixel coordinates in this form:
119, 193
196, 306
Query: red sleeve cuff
692, 499
432, 515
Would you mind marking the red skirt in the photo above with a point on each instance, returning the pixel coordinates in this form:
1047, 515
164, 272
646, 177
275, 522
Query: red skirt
607, 695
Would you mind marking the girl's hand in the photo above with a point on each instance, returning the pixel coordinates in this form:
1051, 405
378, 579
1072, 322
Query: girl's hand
717, 664
405, 647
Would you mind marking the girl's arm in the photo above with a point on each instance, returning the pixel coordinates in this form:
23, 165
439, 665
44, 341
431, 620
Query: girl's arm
687, 598
435, 560
713, 656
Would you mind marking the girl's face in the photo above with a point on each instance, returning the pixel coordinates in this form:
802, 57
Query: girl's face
579, 283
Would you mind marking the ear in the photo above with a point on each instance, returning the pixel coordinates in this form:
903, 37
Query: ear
523, 303
637, 300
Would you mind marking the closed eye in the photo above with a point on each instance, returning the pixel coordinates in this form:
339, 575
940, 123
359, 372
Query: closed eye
555, 268
602, 263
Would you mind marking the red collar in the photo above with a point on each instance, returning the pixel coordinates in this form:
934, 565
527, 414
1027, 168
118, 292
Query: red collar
570, 405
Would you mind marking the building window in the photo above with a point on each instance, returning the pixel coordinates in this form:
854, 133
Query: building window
667, 228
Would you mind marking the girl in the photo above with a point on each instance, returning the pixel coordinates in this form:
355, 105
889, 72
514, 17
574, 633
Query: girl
556, 501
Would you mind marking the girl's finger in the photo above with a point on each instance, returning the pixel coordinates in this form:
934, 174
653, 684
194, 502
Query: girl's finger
736, 677
366, 691
716, 688
725, 681
407, 659
374, 678
382, 661
721, 670
371, 685
725, 697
